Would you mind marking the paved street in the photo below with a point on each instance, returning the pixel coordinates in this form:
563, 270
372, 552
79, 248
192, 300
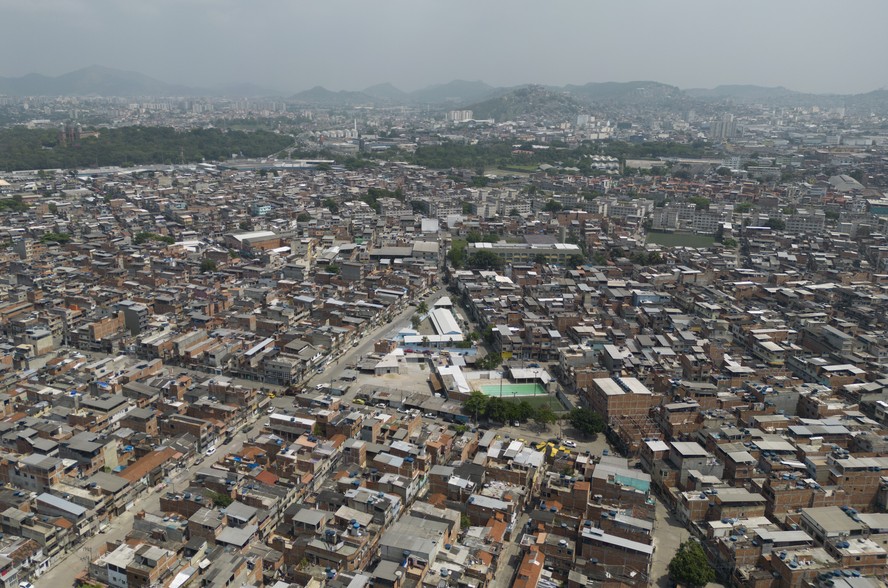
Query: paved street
668, 536
386, 331
510, 557
668, 533
66, 570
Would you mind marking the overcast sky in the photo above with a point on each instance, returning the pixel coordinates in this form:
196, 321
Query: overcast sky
807, 45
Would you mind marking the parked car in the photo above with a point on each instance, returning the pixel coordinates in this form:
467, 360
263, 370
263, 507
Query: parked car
569, 443
211, 450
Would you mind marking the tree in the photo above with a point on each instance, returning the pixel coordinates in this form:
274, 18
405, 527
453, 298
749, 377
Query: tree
575, 260
331, 205
333, 268
539, 259
457, 256
207, 266
60, 238
52, 207
22, 148
544, 416
303, 217
475, 404
14, 204
730, 243
699, 202
776, 224
552, 206
689, 565
221, 500
420, 206
523, 411
586, 421
464, 522
473, 236
514, 212
490, 361
485, 260
496, 409
415, 321
422, 308
743, 207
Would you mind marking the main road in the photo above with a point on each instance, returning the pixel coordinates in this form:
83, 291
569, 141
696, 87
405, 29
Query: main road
384, 331
65, 571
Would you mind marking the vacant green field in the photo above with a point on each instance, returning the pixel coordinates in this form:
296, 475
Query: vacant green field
511, 170
680, 239
536, 401
508, 389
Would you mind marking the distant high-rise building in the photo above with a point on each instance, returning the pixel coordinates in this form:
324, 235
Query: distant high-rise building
726, 128
459, 115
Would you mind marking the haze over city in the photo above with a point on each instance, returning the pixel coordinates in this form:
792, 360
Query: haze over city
415, 294
351, 44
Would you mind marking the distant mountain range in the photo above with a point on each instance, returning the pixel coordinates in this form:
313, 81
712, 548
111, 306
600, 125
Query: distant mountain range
485, 100
529, 102
743, 92
105, 81
624, 91
457, 92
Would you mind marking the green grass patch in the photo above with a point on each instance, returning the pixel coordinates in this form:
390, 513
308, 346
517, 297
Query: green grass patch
513, 169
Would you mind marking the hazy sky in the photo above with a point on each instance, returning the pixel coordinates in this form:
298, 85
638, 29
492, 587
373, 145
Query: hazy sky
807, 45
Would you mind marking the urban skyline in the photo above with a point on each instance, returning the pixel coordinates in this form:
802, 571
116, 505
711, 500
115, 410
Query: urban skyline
350, 45
266, 321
